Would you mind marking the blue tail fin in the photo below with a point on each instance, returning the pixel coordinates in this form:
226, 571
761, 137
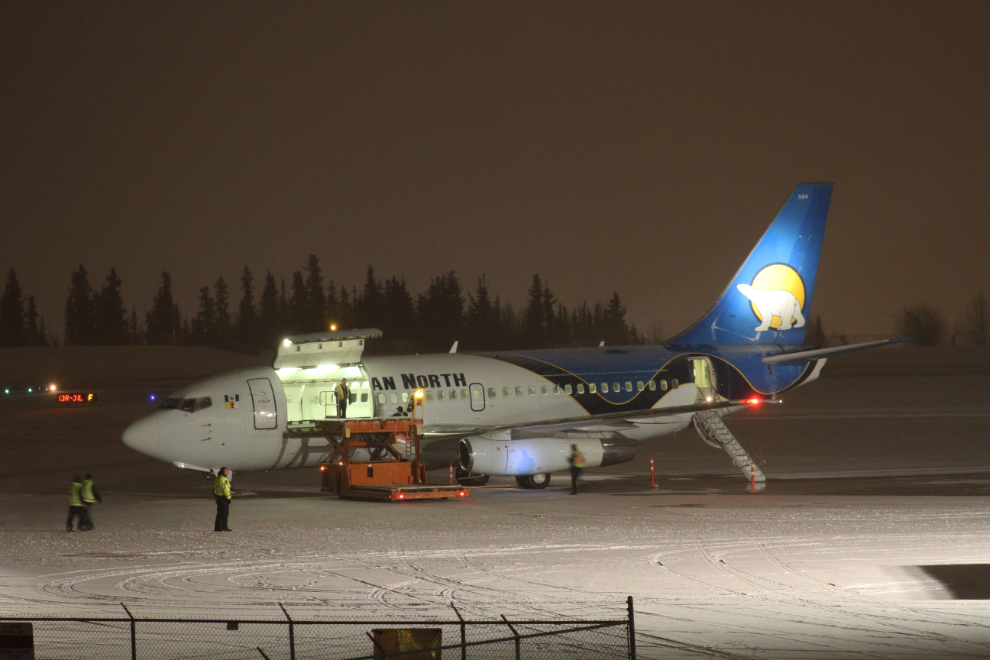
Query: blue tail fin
769, 299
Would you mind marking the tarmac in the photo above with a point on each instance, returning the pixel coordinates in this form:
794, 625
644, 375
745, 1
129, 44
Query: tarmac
870, 539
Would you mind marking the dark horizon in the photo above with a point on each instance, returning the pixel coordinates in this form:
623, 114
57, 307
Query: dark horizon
641, 147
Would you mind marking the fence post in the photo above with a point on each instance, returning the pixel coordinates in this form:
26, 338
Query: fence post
632, 628
463, 633
516, 635
292, 635
133, 632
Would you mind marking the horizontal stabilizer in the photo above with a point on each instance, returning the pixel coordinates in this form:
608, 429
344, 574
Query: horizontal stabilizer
819, 353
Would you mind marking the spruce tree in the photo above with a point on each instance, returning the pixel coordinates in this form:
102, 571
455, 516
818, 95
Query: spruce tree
163, 322
203, 329
12, 313
222, 331
80, 312
534, 318
110, 318
246, 331
269, 320
316, 316
34, 330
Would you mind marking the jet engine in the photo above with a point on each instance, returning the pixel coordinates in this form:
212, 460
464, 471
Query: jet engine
529, 456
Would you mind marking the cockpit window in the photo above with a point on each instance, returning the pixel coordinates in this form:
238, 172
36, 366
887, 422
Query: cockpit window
195, 405
170, 404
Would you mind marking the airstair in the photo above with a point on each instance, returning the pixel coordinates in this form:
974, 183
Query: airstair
713, 430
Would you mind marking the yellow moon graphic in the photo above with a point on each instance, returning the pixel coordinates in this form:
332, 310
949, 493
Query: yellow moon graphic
778, 277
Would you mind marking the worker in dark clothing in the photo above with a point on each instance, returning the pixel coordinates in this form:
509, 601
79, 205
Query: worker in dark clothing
343, 397
399, 412
577, 464
75, 504
221, 491
90, 496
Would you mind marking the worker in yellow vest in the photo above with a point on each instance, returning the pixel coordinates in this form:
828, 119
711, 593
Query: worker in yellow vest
343, 398
221, 491
577, 464
90, 496
75, 504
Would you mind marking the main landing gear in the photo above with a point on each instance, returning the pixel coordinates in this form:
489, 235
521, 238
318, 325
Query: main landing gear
534, 481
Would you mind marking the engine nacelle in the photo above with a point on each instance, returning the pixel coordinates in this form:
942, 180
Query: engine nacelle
536, 455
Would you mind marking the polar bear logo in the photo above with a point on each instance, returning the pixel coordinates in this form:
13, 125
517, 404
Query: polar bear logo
782, 304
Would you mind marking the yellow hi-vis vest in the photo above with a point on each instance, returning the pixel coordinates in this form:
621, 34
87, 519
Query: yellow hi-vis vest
75, 492
577, 459
87, 491
221, 486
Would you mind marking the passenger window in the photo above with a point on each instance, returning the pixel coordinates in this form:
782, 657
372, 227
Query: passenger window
592, 388
505, 391
405, 397
543, 390
453, 395
556, 390
464, 395
604, 388
639, 386
580, 388
663, 385
616, 388
628, 386
491, 392
440, 394
532, 391
429, 395
364, 397
567, 388
518, 391
674, 383
393, 397
477, 395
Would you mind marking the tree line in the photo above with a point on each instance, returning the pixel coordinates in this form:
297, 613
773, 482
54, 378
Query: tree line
257, 315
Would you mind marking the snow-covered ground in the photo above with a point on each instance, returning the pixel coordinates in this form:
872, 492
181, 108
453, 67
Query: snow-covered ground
874, 540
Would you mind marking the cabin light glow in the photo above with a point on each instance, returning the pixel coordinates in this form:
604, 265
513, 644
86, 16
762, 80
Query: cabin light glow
287, 371
286, 342
321, 369
352, 372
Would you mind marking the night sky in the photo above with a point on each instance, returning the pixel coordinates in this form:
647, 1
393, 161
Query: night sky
633, 147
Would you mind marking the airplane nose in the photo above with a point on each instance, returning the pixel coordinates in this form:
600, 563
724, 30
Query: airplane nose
142, 435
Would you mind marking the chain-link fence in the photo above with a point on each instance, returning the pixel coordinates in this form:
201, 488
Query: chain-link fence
114, 638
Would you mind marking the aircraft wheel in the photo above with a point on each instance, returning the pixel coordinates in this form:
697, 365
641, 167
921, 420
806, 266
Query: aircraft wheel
534, 481
469, 480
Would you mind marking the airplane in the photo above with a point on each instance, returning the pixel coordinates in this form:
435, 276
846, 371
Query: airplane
518, 413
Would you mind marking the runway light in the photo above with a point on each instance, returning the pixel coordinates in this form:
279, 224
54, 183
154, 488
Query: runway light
333, 327
29, 390
52, 387
6, 390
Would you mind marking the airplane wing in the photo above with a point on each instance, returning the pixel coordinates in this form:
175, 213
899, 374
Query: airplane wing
617, 419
